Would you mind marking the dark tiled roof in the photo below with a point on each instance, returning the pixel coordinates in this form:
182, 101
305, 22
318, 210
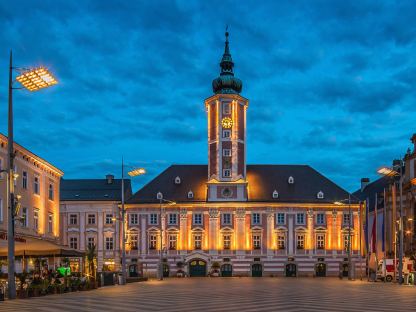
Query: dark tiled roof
93, 189
373, 188
262, 181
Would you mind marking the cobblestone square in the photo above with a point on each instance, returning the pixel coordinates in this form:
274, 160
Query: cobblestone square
230, 294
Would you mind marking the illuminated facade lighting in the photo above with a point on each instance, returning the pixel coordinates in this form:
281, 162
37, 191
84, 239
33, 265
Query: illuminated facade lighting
36, 79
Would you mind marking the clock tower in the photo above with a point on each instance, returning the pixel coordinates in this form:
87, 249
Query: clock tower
226, 111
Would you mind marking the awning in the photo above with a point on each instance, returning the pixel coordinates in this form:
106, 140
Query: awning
29, 246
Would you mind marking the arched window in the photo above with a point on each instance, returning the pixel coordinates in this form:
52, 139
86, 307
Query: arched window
320, 195
177, 180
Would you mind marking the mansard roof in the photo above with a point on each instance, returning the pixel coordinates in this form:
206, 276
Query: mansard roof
263, 180
93, 189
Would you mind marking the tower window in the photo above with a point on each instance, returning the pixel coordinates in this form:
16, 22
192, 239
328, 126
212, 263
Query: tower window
226, 108
226, 152
226, 133
226, 173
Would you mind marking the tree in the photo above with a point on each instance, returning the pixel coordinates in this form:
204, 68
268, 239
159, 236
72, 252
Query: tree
91, 255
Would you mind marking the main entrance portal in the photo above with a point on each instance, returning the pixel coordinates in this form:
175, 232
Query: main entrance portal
197, 268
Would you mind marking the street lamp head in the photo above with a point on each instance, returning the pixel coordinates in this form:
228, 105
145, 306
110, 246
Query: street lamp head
36, 79
386, 171
136, 172
338, 203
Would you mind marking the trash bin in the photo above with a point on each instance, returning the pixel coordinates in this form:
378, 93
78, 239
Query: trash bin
120, 278
406, 279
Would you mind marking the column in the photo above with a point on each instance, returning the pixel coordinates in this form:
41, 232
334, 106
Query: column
334, 238
213, 230
143, 234
311, 240
240, 237
270, 230
183, 230
290, 233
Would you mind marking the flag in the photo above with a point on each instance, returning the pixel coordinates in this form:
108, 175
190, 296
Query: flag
366, 226
374, 234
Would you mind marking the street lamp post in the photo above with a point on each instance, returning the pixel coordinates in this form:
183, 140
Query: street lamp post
397, 172
133, 173
32, 80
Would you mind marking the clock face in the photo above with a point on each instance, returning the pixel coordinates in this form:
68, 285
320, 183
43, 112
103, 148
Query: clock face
227, 123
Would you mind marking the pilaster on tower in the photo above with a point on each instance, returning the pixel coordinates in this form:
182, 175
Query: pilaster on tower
226, 111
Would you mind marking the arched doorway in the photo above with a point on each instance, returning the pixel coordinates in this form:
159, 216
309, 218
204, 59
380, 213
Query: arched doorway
197, 268
291, 270
133, 271
320, 269
165, 270
256, 270
226, 270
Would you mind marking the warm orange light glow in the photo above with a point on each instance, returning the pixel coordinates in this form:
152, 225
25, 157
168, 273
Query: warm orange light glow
227, 122
413, 181
136, 172
36, 79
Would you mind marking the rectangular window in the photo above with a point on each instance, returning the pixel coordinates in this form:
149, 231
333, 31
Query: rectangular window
50, 191
197, 241
256, 241
281, 241
153, 218
172, 239
320, 241
198, 218
91, 219
227, 241
153, 241
109, 243
134, 238
50, 222
24, 180
36, 188
73, 219
300, 218
108, 218
24, 215
226, 152
346, 219
134, 218
226, 134
346, 242
300, 241
91, 242
280, 218
173, 218
73, 242
255, 218
320, 218
226, 218
36, 219
226, 173
226, 108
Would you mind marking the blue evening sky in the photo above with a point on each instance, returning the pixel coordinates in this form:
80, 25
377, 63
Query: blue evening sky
330, 83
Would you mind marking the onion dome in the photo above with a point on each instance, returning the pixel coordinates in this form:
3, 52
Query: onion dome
226, 83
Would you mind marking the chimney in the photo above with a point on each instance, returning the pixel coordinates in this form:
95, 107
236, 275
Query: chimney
364, 183
413, 139
396, 164
109, 178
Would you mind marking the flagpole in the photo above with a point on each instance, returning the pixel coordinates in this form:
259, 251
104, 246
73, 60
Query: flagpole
394, 229
367, 241
376, 237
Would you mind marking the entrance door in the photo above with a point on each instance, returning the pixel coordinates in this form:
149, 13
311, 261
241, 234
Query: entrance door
133, 272
256, 270
227, 270
197, 268
320, 270
290, 270
165, 270
345, 269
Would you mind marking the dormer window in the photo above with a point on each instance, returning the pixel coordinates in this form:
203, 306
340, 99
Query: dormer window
178, 180
190, 194
291, 180
320, 195
275, 194
159, 195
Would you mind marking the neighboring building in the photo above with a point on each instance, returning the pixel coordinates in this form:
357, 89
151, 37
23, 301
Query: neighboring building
90, 215
385, 194
249, 220
38, 184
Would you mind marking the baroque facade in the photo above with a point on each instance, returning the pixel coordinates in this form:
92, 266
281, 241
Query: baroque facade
239, 219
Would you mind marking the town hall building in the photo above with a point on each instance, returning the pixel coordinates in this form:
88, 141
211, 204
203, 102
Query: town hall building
232, 219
